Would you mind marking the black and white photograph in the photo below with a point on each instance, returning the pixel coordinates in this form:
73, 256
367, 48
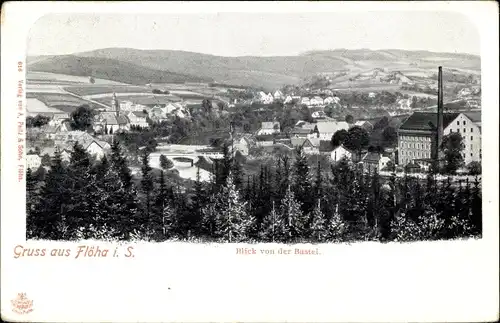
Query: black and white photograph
254, 127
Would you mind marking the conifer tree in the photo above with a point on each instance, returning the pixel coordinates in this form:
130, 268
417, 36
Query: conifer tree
286, 175
336, 226
237, 172
302, 187
232, 221
123, 194
318, 183
476, 208
79, 215
278, 179
198, 201
270, 225
291, 222
210, 213
50, 222
31, 203
147, 186
318, 223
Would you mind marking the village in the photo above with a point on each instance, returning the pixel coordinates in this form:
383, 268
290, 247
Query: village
398, 139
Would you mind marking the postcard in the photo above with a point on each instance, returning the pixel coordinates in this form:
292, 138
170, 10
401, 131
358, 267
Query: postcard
249, 162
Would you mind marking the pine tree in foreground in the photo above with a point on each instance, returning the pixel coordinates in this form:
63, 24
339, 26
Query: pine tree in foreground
50, 222
233, 221
147, 187
31, 202
318, 224
80, 211
291, 224
336, 227
270, 225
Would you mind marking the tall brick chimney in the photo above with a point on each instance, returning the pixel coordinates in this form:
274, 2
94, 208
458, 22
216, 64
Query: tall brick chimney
440, 108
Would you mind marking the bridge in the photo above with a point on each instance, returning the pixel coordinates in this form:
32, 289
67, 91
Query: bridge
194, 157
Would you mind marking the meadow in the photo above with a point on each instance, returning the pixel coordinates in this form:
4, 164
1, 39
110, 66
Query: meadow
103, 89
63, 79
64, 102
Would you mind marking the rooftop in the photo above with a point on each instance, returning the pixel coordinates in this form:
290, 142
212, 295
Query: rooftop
426, 121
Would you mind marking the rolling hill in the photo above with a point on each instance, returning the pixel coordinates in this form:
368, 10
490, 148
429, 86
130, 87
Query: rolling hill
108, 68
268, 72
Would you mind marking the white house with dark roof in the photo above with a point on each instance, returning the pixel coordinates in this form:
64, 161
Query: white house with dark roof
326, 129
95, 147
278, 95
269, 128
138, 119
316, 101
340, 152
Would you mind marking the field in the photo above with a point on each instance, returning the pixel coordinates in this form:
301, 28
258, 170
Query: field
95, 92
365, 87
104, 89
60, 101
62, 79
139, 99
34, 106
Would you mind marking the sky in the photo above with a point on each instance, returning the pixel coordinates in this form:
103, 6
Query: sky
255, 34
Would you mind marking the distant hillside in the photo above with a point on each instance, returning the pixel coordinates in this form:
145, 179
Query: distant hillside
269, 72
107, 68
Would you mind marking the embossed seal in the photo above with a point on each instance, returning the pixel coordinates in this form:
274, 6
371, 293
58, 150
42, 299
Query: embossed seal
22, 304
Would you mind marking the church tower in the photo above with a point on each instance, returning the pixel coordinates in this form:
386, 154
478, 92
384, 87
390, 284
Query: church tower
114, 104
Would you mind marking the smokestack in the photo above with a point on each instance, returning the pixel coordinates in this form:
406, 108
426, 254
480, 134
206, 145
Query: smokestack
439, 113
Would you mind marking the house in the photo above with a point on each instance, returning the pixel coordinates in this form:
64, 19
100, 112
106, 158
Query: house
49, 131
288, 99
95, 147
265, 98
339, 153
169, 108
371, 161
309, 146
318, 115
241, 144
51, 151
157, 114
464, 92
417, 136
404, 104
315, 101
300, 132
33, 161
126, 105
383, 162
58, 118
328, 100
372, 95
326, 129
305, 101
268, 128
367, 125
138, 119
278, 95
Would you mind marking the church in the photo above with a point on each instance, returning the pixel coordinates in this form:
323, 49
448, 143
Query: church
112, 121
